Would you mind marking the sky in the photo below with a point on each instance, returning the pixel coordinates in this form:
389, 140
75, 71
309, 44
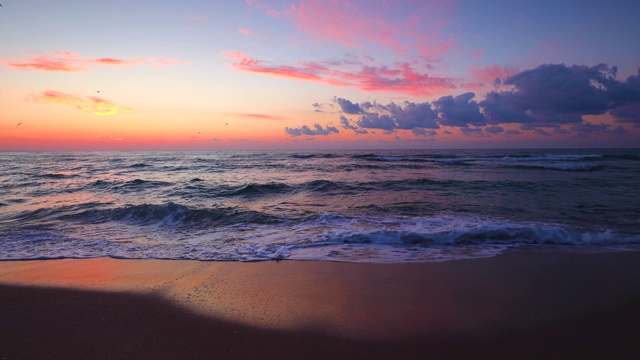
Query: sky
310, 74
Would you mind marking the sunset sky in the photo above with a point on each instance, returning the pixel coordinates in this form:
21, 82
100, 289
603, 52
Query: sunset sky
309, 74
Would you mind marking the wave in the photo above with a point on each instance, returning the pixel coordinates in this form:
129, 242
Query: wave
135, 184
200, 189
460, 161
258, 189
559, 166
631, 157
174, 231
550, 157
321, 185
144, 183
451, 158
450, 230
303, 156
170, 214
390, 158
57, 176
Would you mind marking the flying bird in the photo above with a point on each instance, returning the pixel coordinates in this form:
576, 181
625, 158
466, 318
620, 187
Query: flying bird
98, 91
18, 123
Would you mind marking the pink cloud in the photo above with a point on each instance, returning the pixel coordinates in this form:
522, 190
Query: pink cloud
68, 62
54, 61
405, 26
262, 116
245, 31
490, 73
344, 21
400, 78
92, 104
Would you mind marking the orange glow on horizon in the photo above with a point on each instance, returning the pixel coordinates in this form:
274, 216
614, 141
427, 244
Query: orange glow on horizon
92, 104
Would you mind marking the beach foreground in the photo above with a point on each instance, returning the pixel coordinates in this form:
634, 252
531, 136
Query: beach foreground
521, 304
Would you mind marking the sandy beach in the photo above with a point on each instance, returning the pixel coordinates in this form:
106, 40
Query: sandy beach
522, 304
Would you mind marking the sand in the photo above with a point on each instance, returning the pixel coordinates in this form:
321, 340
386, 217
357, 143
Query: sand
522, 304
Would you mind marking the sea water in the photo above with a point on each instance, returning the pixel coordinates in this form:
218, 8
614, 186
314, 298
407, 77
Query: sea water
355, 206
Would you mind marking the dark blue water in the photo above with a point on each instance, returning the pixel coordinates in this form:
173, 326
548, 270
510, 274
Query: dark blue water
360, 206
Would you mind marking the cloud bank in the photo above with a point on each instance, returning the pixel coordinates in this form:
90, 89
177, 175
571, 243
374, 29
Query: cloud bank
306, 130
552, 98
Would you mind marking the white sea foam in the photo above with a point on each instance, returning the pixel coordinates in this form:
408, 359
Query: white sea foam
551, 157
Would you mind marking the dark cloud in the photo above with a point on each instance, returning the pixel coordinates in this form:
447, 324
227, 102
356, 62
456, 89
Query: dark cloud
618, 130
626, 92
555, 94
627, 113
494, 129
500, 109
552, 98
293, 131
319, 107
423, 132
459, 111
306, 130
413, 115
376, 121
477, 132
625, 97
348, 107
406, 116
346, 124
587, 128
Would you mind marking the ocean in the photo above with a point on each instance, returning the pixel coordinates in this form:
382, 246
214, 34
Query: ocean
378, 206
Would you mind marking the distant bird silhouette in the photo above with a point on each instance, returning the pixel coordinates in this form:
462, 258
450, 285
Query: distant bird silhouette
226, 123
18, 123
98, 91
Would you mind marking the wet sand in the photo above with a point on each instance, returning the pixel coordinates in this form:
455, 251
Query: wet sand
516, 305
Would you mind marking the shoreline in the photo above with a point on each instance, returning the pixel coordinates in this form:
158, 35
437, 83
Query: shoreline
522, 304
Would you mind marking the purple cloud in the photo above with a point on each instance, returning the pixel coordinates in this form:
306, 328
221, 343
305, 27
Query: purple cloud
459, 111
494, 129
627, 113
550, 99
552, 95
414, 115
477, 132
377, 121
306, 130
423, 132
347, 125
587, 128
348, 107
